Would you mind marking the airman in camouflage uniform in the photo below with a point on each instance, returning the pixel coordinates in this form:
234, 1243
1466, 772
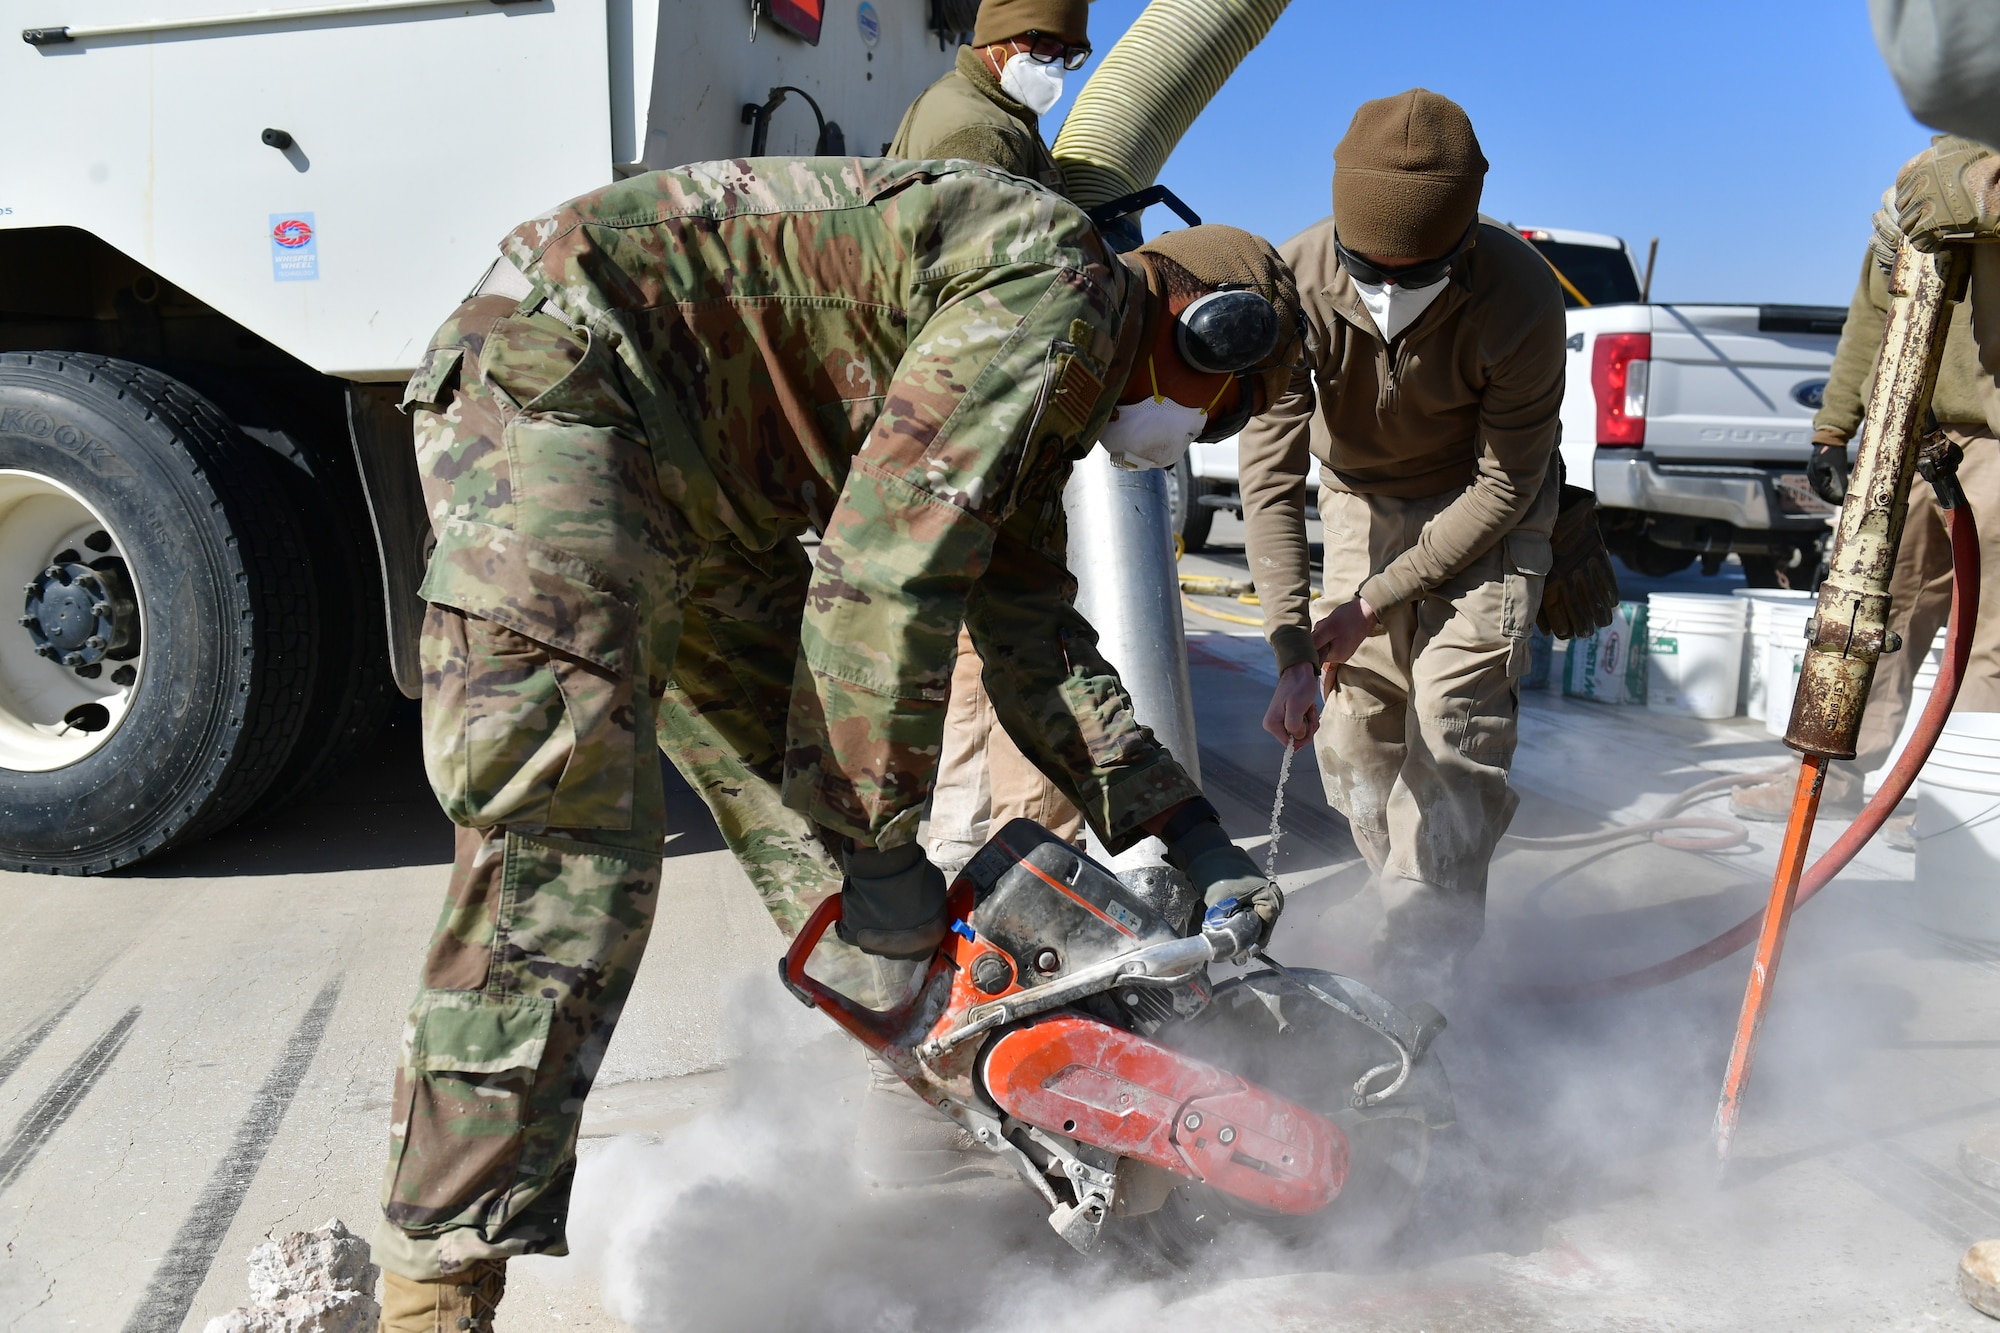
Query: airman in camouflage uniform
699, 365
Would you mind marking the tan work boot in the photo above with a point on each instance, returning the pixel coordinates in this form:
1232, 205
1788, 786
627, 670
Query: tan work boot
1771, 802
462, 1303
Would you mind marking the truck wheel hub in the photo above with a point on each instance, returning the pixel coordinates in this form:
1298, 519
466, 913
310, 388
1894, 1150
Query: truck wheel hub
79, 615
72, 663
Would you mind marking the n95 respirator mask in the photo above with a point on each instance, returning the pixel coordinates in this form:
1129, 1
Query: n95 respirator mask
1153, 432
1033, 84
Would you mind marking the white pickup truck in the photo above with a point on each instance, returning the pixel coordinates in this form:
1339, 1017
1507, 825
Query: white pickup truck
1691, 422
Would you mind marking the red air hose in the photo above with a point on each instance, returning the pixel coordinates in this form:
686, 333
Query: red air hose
1895, 785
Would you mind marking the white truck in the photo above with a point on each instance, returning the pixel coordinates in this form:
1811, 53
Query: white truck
226, 233
1692, 422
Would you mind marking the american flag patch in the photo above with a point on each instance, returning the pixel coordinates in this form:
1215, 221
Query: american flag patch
1077, 391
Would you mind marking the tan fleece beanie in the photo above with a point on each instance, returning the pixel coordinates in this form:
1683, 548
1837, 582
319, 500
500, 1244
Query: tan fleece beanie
1000, 19
1221, 256
1406, 177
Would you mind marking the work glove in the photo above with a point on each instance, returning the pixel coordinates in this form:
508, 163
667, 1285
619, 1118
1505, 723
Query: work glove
892, 902
1223, 872
1826, 472
1580, 595
1949, 192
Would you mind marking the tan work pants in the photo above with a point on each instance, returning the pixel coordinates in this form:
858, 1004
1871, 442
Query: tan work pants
983, 779
1920, 602
1418, 732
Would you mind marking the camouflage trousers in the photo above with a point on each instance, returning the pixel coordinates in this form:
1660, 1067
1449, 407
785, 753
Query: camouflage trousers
576, 626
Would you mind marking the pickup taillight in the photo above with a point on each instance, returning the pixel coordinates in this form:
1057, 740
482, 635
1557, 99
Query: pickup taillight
1619, 368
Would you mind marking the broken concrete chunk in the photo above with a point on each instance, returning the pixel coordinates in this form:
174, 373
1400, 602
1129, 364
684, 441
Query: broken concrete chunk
308, 1282
1979, 1277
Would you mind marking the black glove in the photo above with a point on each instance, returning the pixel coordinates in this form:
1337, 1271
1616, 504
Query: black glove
892, 903
1198, 847
1826, 472
1581, 592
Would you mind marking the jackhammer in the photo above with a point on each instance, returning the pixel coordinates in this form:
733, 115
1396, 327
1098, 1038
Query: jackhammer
1849, 632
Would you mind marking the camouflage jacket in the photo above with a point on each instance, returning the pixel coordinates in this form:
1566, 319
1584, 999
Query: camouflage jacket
906, 356
965, 115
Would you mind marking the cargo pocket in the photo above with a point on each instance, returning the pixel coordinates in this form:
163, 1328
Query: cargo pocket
528, 659
1069, 396
1529, 558
434, 381
1090, 692
466, 1079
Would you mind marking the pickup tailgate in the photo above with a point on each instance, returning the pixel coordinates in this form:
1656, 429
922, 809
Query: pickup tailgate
1737, 384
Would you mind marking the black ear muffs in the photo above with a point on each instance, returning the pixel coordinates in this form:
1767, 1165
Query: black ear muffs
1227, 332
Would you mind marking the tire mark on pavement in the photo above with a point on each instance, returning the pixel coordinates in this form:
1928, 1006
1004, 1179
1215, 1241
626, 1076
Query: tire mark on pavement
56, 1105
186, 1263
17, 1055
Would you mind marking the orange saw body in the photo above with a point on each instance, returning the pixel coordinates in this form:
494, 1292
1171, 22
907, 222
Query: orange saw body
1047, 1026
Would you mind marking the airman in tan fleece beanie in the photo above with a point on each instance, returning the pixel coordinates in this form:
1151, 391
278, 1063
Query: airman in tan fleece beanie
1001, 19
1406, 178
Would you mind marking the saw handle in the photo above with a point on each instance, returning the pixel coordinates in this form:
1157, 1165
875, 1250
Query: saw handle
873, 1028
1231, 929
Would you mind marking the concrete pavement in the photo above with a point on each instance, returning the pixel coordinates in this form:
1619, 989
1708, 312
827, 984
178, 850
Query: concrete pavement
199, 1052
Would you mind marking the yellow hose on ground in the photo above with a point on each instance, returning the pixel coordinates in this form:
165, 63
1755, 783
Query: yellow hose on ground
1201, 610
1149, 89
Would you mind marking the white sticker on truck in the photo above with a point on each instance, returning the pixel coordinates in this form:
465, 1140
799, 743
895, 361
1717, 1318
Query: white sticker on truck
294, 248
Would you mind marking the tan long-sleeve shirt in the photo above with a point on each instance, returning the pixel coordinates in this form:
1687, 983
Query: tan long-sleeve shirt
1466, 399
965, 114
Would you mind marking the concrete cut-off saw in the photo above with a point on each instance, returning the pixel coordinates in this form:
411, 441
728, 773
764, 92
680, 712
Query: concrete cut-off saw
1067, 1026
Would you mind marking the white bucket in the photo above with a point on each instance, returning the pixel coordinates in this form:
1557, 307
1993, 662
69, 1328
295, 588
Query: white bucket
1920, 694
1694, 646
1784, 653
1762, 601
1958, 829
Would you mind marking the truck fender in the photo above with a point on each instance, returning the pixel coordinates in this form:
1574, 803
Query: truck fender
385, 454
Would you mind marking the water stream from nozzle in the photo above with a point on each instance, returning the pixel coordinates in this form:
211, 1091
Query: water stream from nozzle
1277, 811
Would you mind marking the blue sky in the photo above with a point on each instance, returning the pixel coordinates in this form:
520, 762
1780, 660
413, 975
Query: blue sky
1753, 138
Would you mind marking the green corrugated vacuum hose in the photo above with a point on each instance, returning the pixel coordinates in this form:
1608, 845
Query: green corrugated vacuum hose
1149, 89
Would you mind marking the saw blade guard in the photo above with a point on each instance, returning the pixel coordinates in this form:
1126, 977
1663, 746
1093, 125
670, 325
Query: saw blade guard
1115, 1090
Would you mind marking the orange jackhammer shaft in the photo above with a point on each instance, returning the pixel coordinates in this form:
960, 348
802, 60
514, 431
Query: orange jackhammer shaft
1770, 947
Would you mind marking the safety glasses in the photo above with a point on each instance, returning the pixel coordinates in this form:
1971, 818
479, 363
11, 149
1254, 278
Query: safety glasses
1047, 49
1403, 275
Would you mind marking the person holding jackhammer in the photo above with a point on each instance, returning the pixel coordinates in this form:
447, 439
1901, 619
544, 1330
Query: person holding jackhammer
1920, 588
704, 362
988, 109
1430, 398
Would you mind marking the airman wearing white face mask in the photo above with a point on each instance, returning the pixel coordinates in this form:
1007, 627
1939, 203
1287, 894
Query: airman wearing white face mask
989, 107
1430, 399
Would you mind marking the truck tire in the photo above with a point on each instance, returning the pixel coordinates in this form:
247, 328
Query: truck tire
1191, 518
127, 497
300, 419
